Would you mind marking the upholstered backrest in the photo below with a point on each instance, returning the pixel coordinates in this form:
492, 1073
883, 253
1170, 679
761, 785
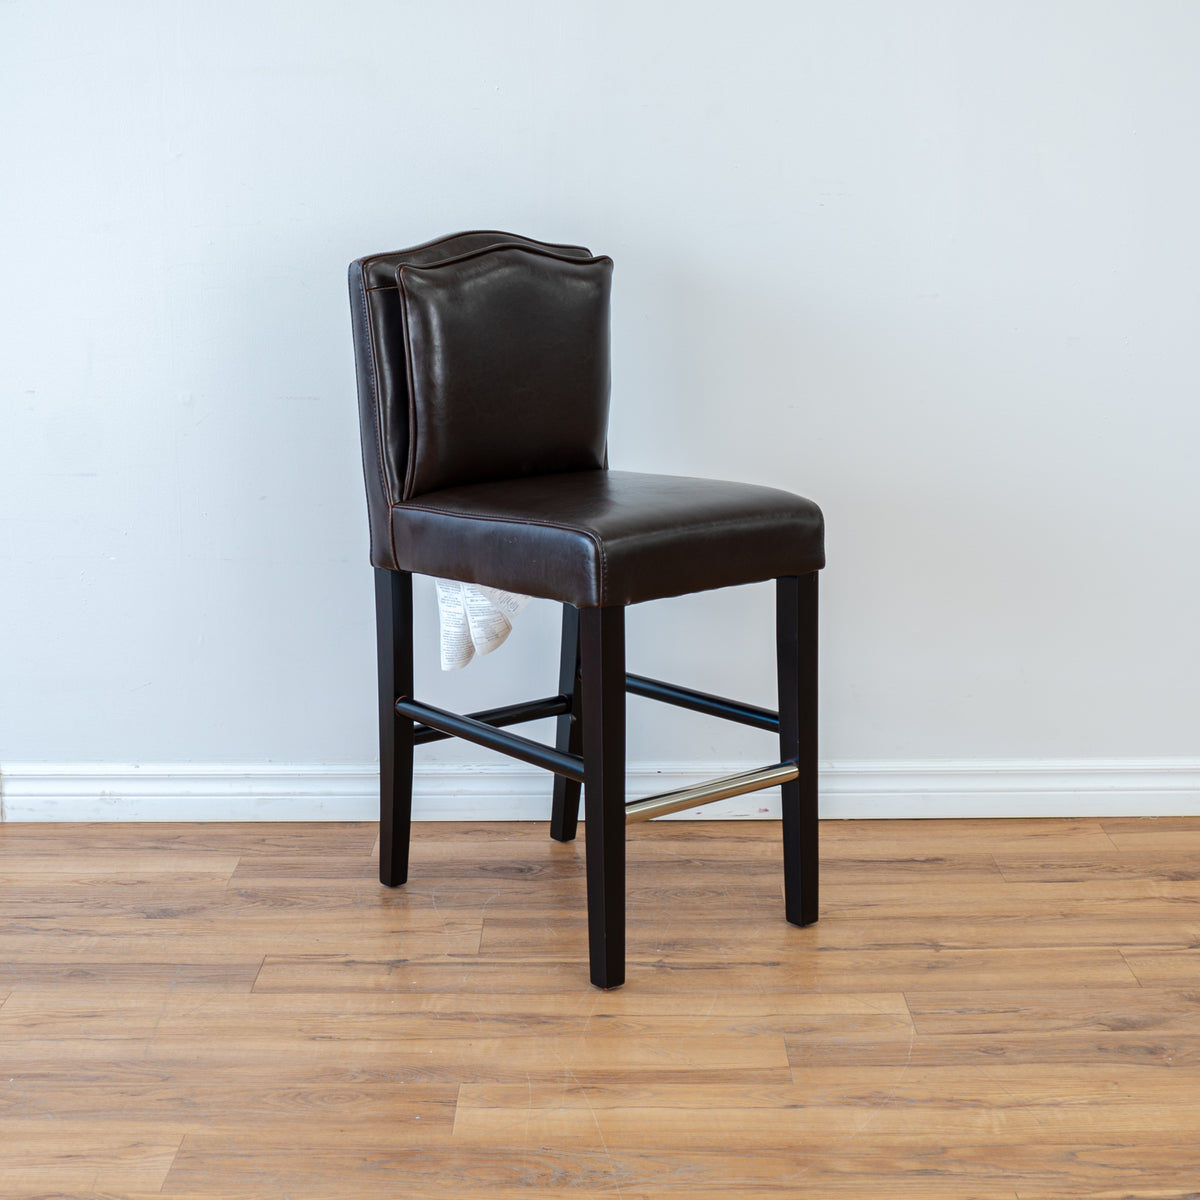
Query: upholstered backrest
479, 356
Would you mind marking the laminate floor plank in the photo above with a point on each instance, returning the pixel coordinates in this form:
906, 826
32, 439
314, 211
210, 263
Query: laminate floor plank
800, 961
918, 870
814, 1127
857, 1167
126, 941
1143, 897
864, 1089
126, 869
998, 836
46, 839
722, 937
88, 1155
217, 907
1180, 839
654, 971
536, 880
1165, 966
1091, 1010
324, 1017
1114, 825
1118, 867
230, 1106
1049, 1051
222, 973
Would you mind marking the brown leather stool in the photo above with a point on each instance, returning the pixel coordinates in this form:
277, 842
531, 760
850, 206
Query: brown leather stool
483, 385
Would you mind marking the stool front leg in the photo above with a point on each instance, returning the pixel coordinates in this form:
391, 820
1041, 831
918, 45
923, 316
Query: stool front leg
602, 667
796, 641
564, 814
393, 628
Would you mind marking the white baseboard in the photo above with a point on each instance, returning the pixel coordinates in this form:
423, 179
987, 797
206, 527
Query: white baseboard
503, 792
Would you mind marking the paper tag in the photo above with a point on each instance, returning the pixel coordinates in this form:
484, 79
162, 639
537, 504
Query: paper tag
474, 620
457, 648
488, 625
509, 603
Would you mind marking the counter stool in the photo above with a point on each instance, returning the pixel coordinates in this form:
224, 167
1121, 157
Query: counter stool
483, 384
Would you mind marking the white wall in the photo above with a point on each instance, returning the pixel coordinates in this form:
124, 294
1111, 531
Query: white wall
934, 264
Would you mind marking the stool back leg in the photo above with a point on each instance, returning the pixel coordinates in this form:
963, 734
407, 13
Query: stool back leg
796, 641
393, 628
602, 675
564, 814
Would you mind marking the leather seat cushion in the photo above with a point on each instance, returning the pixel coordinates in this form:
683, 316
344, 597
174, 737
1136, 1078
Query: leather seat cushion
601, 538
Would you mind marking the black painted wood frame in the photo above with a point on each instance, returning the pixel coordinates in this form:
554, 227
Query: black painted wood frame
394, 633
590, 708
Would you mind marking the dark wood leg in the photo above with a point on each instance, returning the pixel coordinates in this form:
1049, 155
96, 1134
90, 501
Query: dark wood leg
564, 816
602, 675
796, 640
393, 625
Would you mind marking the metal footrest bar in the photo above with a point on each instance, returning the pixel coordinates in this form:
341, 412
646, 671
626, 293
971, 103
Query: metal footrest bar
706, 793
510, 714
512, 744
703, 702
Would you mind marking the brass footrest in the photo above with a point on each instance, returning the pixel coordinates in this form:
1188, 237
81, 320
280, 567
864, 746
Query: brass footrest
706, 793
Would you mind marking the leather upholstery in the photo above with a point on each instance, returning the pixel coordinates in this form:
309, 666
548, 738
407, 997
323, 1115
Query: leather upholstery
380, 365
507, 353
603, 538
482, 363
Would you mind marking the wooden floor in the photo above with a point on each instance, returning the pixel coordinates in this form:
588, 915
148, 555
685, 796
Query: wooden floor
987, 1009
